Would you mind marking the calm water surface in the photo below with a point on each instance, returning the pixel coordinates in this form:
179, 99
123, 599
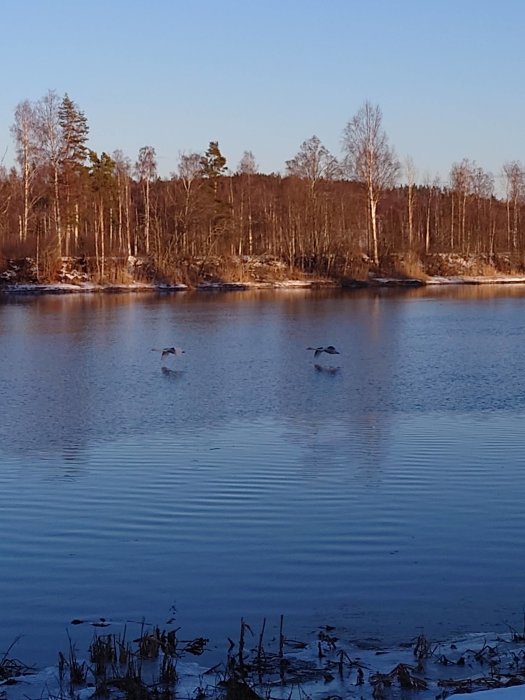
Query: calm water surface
387, 499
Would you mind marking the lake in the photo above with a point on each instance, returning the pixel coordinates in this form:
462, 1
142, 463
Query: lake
386, 498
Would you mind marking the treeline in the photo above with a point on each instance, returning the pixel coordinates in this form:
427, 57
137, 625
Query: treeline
324, 215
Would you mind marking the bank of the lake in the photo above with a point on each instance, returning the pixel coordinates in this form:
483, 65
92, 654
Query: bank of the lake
68, 275
288, 284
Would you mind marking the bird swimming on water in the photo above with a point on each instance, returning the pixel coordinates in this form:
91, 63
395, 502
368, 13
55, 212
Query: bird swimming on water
164, 352
328, 349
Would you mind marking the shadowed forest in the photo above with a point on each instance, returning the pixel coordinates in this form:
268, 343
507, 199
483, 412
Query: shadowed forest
339, 217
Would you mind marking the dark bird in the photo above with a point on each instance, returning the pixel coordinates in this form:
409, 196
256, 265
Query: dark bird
164, 352
329, 349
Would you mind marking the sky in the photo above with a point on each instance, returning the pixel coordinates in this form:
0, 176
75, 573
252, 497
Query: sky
265, 75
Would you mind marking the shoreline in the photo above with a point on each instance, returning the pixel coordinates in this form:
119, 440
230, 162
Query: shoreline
373, 283
158, 661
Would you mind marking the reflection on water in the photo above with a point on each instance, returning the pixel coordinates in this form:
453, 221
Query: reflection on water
239, 480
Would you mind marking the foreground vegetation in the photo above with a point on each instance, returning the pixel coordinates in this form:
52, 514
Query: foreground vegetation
154, 665
330, 217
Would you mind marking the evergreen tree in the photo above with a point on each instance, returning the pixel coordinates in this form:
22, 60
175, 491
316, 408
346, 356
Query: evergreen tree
73, 153
74, 126
213, 163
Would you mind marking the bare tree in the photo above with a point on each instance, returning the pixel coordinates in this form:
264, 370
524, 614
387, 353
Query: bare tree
247, 164
190, 174
514, 176
370, 160
24, 131
189, 169
247, 168
482, 191
460, 183
313, 162
410, 174
123, 173
51, 143
146, 168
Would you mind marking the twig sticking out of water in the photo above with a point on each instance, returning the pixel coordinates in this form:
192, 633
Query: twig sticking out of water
423, 649
12, 668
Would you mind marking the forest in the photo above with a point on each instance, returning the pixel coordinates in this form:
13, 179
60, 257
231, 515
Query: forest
339, 218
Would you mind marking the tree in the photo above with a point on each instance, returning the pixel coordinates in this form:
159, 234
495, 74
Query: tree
246, 169
313, 162
213, 168
213, 163
24, 131
74, 152
309, 235
101, 173
370, 160
75, 131
190, 171
247, 164
514, 175
123, 173
190, 168
461, 185
482, 191
146, 168
51, 144
411, 174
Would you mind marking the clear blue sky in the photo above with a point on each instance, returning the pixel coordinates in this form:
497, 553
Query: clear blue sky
264, 75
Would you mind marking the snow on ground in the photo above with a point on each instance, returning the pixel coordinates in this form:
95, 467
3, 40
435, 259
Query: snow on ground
85, 287
496, 279
517, 692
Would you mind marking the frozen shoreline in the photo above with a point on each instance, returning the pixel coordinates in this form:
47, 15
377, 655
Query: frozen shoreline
486, 666
91, 287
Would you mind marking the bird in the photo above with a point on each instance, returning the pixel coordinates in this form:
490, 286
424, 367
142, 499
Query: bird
164, 352
328, 349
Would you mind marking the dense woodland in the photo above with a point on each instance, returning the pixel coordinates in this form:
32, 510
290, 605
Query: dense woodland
329, 216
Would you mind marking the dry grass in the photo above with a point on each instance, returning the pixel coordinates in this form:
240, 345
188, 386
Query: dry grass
407, 266
412, 267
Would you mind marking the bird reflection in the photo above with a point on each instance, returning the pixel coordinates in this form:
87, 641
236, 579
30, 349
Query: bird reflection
327, 370
171, 373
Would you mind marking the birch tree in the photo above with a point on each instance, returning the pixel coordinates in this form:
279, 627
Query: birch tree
24, 131
123, 174
461, 186
313, 162
410, 174
369, 159
246, 169
247, 164
190, 176
146, 168
51, 143
514, 176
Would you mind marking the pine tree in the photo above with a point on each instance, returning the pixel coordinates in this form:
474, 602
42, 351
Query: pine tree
75, 131
213, 163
